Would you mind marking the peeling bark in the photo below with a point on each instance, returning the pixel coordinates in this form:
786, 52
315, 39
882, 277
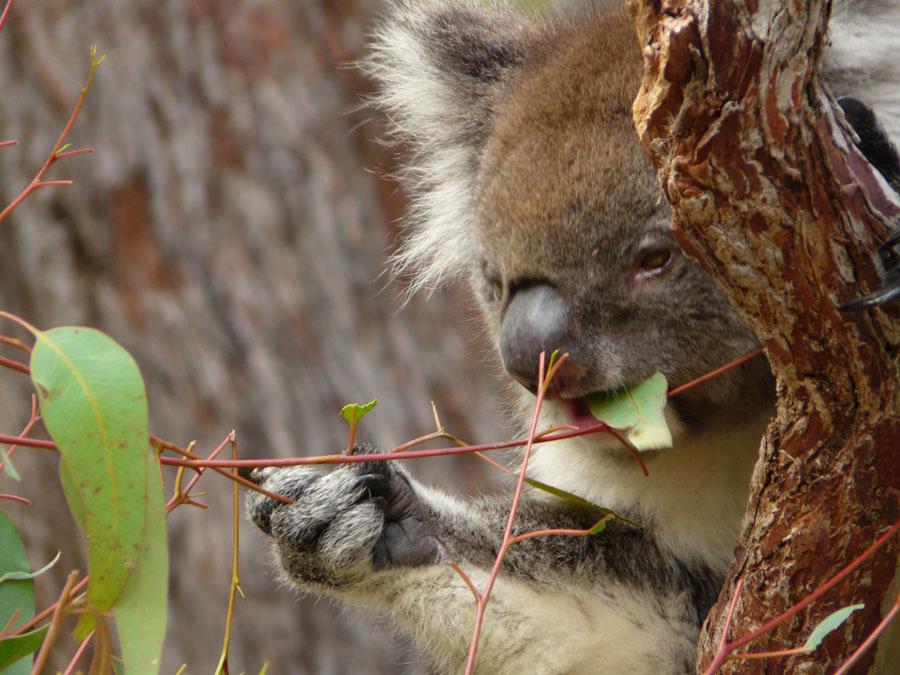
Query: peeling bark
777, 204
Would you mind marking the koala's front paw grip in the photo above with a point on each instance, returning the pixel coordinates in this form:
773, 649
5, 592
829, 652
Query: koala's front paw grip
407, 539
287, 482
345, 524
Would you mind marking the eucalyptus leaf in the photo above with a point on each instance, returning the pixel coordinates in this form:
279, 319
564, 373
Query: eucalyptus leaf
94, 406
16, 576
16, 595
639, 412
575, 499
354, 412
8, 467
141, 609
14, 651
830, 623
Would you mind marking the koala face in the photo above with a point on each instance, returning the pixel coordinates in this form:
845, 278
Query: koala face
574, 245
530, 181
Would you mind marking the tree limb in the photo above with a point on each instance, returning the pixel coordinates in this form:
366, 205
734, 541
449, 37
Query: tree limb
777, 204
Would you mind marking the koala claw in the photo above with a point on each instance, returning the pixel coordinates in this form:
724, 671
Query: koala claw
358, 517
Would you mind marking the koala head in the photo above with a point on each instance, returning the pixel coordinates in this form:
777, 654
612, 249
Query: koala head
529, 181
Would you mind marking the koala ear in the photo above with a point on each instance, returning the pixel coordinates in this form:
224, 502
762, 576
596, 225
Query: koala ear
441, 65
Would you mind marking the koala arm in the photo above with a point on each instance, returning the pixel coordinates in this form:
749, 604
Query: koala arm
368, 535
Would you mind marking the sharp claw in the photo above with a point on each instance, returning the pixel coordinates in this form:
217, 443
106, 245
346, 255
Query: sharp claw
251, 474
376, 486
890, 256
889, 293
890, 259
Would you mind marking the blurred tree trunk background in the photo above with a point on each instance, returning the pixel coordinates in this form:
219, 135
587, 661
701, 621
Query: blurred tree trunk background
230, 232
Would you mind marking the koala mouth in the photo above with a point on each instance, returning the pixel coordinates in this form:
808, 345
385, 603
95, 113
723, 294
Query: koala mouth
579, 412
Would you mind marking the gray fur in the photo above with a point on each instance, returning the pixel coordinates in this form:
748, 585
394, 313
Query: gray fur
528, 181
863, 58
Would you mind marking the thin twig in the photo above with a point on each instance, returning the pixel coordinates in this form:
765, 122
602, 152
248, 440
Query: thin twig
571, 532
544, 379
12, 364
235, 580
31, 422
197, 462
715, 373
722, 651
182, 495
3, 17
434, 435
55, 624
9, 624
29, 442
36, 182
749, 656
79, 652
15, 342
43, 614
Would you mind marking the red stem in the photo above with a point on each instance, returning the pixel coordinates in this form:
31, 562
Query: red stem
30, 442
14, 365
34, 418
70, 153
182, 493
715, 373
36, 181
40, 616
74, 661
722, 651
3, 18
543, 380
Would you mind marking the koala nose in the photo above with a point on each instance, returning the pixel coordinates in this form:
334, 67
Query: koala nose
536, 320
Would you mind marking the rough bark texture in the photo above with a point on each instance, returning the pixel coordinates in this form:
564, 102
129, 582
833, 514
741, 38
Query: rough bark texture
775, 202
228, 234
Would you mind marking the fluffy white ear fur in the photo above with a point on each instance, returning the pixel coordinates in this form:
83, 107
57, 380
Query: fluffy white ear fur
439, 63
863, 59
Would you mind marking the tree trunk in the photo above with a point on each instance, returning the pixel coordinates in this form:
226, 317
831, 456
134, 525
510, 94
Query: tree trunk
226, 232
776, 203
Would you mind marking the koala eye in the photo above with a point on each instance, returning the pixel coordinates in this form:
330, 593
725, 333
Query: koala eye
496, 289
493, 283
654, 261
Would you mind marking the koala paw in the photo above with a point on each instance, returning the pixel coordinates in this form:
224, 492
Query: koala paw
359, 518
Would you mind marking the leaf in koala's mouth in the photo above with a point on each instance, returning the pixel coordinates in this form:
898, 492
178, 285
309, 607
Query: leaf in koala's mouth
639, 411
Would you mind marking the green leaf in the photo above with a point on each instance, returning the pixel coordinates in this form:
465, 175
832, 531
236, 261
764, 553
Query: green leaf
140, 611
94, 406
8, 467
638, 411
16, 594
575, 499
830, 623
16, 576
14, 651
353, 412
600, 525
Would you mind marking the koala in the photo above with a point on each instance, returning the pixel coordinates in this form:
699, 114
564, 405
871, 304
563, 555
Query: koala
529, 183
